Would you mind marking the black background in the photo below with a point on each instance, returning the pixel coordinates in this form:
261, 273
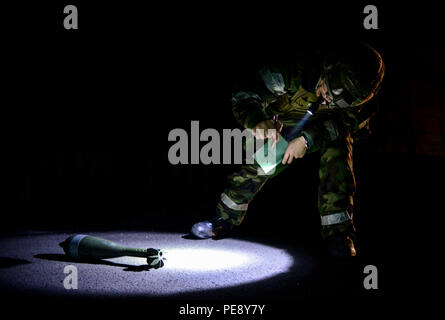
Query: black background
90, 110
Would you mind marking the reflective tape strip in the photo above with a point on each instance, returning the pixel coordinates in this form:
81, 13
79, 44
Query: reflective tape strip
74, 245
232, 205
335, 218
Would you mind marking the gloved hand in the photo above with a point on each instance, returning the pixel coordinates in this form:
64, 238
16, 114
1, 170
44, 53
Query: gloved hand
296, 149
261, 130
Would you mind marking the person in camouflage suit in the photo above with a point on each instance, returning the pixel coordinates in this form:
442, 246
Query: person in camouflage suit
347, 82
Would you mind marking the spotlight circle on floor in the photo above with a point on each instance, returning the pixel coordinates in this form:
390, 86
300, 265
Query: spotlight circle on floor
191, 265
206, 259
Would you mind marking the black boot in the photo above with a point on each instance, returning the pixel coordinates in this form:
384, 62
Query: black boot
216, 228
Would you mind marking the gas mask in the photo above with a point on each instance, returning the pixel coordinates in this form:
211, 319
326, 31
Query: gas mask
338, 82
338, 95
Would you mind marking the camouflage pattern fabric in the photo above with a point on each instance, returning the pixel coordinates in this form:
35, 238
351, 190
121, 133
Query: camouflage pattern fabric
242, 187
337, 184
336, 189
279, 90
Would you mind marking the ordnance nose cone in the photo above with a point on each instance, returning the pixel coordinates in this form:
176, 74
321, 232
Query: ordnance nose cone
64, 245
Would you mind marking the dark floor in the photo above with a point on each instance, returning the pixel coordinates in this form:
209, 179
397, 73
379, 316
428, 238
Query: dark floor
273, 272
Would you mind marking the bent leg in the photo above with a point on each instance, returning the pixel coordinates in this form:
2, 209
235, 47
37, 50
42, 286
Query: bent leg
241, 189
337, 188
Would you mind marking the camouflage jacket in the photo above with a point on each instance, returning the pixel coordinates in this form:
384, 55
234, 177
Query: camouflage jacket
281, 89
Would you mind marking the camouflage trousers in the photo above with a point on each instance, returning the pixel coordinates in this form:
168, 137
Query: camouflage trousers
335, 193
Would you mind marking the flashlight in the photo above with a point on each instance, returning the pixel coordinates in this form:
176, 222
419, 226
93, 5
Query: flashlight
314, 106
300, 125
269, 159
